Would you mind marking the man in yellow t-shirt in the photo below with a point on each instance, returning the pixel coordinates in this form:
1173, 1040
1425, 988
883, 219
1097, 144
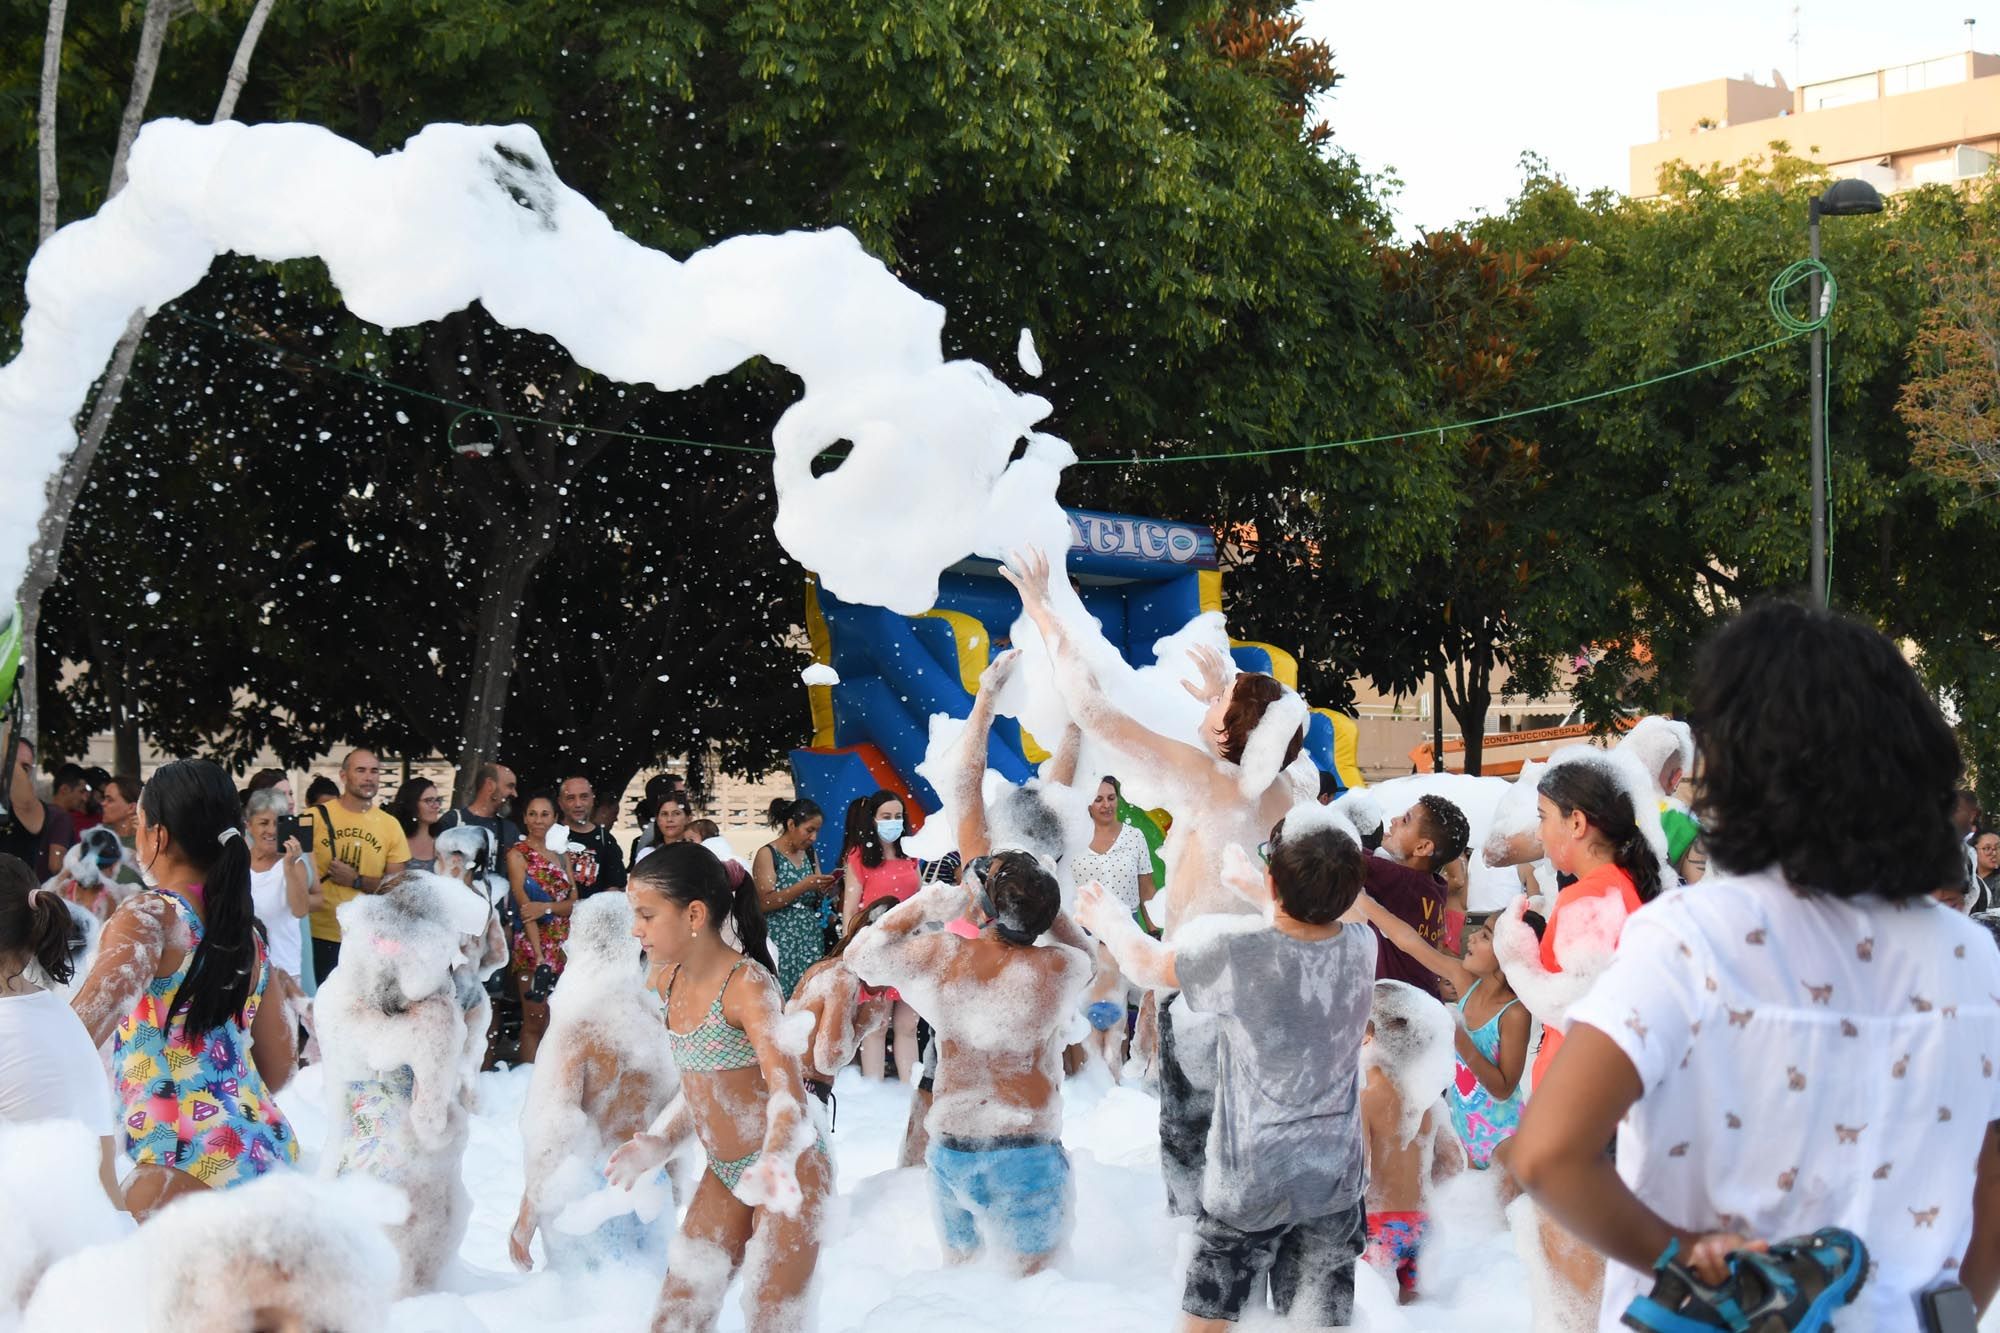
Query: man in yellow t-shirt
365, 848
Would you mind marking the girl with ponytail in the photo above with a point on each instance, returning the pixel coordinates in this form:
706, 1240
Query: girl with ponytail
48, 1067
768, 1173
1590, 830
202, 1036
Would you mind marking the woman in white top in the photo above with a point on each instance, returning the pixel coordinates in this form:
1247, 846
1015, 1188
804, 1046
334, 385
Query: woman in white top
48, 1068
1804, 1039
1117, 857
281, 888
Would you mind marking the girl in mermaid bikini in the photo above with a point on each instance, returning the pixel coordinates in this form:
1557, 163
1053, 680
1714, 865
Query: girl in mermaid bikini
768, 1175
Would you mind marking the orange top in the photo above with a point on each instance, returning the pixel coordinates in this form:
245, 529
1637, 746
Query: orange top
1607, 879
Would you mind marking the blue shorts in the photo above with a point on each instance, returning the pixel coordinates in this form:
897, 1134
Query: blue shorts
1105, 1015
1018, 1190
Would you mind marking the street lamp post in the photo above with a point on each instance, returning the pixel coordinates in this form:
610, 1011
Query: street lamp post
1844, 198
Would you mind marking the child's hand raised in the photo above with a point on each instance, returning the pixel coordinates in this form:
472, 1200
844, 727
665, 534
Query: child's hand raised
637, 1158
1245, 878
999, 671
1095, 908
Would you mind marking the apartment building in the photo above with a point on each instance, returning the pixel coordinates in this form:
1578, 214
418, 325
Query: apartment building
1931, 122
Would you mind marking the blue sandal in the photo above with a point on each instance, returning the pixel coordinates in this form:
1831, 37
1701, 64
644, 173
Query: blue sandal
1794, 1288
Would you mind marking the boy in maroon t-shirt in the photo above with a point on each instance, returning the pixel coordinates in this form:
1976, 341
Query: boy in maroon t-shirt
1402, 877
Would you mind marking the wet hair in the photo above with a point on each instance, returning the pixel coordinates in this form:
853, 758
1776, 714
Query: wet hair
861, 827
1249, 699
782, 812
128, 787
1025, 897
321, 788
861, 920
1590, 786
1023, 818
1446, 827
406, 807
1481, 920
1780, 693
1318, 873
37, 922
192, 799
688, 872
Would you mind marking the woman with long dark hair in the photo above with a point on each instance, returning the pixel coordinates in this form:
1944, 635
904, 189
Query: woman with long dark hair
543, 884
791, 889
768, 1177
418, 807
1806, 1040
48, 1068
877, 868
181, 982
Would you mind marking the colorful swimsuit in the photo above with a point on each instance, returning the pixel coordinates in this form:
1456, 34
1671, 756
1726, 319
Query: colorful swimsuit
715, 1046
195, 1102
1482, 1120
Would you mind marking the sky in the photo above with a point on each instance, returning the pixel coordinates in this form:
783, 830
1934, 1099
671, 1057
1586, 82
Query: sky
1450, 93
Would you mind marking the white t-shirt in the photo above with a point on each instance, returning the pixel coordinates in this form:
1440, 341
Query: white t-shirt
1117, 868
48, 1068
1807, 1062
283, 938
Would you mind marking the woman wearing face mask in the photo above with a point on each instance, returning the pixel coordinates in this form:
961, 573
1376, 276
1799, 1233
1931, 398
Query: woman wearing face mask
181, 981
876, 868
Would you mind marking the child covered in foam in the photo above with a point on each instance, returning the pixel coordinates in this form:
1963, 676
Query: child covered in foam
393, 1033
1281, 1203
759, 1205
284, 1252
1003, 1005
601, 1077
1411, 1146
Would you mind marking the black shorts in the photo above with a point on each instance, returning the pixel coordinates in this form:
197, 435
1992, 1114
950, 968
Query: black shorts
1310, 1267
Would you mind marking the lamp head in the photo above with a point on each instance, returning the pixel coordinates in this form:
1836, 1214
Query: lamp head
1849, 198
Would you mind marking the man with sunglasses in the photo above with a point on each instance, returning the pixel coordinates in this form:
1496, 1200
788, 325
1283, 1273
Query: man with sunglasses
1001, 1004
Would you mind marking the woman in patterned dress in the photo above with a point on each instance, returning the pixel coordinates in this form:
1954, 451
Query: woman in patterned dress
792, 891
544, 890
181, 983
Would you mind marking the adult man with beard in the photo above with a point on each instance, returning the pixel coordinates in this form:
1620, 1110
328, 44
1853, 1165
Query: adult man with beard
356, 848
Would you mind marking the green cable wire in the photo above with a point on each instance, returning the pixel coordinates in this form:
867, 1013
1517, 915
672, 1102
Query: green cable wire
1776, 299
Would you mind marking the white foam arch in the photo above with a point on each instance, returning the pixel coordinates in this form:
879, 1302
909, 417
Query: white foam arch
476, 213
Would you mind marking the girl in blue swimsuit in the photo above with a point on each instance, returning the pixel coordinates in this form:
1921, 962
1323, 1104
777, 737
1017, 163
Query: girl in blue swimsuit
768, 1177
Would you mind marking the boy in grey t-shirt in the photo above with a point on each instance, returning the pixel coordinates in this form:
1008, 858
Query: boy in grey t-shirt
1281, 1198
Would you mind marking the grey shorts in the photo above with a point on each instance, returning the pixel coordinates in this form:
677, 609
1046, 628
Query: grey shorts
1309, 1267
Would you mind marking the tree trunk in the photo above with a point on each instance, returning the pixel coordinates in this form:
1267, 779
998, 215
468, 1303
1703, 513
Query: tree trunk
125, 732
45, 556
1469, 690
510, 565
59, 501
45, 117
160, 15
239, 68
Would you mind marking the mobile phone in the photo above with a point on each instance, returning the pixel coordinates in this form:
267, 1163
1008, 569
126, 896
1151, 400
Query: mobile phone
1949, 1309
295, 826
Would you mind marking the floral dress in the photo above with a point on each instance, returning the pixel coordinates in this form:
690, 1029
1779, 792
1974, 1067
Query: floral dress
798, 929
547, 882
195, 1101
